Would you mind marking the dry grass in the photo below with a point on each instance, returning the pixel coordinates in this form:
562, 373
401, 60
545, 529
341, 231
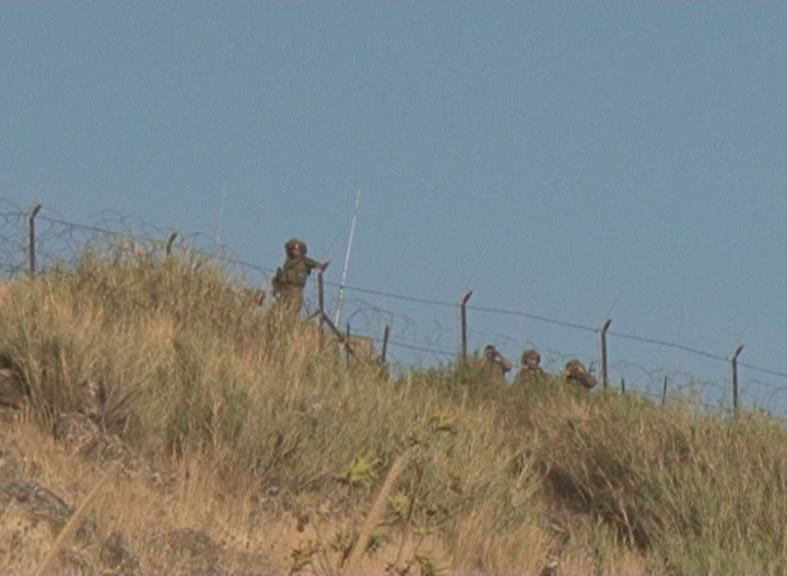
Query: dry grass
274, 448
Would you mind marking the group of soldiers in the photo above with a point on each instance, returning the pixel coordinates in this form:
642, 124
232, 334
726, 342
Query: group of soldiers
290, 281
497, 366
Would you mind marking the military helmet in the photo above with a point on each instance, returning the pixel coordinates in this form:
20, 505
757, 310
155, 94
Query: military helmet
575, 366
531, 355
294, 243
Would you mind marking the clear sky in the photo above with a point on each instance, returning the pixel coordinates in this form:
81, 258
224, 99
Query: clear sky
575, 160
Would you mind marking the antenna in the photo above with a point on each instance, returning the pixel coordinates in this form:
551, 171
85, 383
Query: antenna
347, 259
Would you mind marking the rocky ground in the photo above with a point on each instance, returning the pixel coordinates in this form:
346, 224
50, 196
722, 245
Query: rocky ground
55, 507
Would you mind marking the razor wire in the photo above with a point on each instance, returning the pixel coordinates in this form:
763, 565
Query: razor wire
60, 242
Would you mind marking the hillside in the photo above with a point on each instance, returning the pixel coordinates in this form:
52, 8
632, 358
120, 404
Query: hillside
153, 420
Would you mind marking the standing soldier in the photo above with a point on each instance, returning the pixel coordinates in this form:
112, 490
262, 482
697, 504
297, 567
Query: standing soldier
531, 371
576, 373
290, 279
495, 365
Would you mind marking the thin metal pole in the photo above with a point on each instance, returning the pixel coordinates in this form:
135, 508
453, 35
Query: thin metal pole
343, 283
31, 230
623, 385
604, 367
735, 391
386, 334
664, 393
170, 242
463, 308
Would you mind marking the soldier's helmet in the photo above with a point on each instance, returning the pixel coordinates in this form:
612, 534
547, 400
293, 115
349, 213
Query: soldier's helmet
531, 358
576, 372
294, 243
575, 367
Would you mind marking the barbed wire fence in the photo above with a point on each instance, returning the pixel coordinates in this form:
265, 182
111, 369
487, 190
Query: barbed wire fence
38, 238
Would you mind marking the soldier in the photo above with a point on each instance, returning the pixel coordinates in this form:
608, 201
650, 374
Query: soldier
290, 279
531, 371
495, 365
576, 373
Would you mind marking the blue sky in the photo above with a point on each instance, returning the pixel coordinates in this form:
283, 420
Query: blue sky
569, 159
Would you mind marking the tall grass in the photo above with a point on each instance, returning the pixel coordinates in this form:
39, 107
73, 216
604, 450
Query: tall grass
509, 479
703, 493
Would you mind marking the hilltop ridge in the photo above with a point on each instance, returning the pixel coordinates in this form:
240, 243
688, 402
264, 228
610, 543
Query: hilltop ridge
154, 421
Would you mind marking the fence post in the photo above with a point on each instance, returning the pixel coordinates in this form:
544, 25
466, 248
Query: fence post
321, 299
664, 393
463, 308
386, 334
623, 385
604, 368
735, 391
347, 344
170, 242
31, 231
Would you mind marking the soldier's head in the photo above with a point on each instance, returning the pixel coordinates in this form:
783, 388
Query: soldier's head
295, 247
531, 358
490, 352
575, 368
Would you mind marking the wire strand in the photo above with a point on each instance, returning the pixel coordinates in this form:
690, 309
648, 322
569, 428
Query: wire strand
230, 259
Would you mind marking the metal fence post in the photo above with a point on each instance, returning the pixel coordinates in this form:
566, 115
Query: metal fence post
31, 230
623, 385
347, 344
604, 367
463, 308
664, 393
170, 242
735, 391
386, 334
321, 299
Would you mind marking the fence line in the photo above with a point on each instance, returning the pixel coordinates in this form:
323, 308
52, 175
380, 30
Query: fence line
21, 222
644, 393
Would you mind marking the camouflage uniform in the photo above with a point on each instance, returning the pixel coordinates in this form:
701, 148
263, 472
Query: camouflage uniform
495, 365
531, 372
576, 373
290, 279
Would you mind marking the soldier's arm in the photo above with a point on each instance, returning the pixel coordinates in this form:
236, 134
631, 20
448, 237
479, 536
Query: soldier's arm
311, 264
506, 364
587, 380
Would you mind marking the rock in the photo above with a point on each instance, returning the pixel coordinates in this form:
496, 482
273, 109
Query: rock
12, 390
192, 550
113, 449
32, 517
117, 555
84, 437
38, 503
78, 432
